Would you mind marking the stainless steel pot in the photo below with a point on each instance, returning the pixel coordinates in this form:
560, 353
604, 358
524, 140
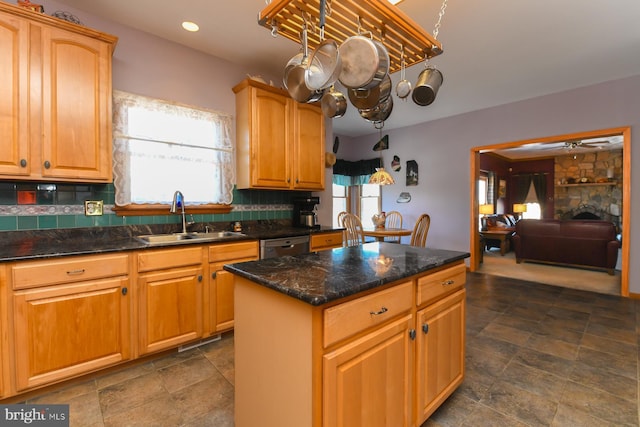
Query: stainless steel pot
365, 99
307, 219
380, 112
365, 62
429, 81
333, 103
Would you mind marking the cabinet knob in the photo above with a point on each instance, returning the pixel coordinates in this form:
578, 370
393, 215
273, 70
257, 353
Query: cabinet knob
412, 334
448, 282
425, 328
124, 291
200, 278
213, 275
47, 164
23, 163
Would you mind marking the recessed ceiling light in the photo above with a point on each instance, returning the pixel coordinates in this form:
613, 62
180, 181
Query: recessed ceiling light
190, 26
394, 1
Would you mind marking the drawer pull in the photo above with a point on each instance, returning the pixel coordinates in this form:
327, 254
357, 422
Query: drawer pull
75, 272
448, 282
378, 313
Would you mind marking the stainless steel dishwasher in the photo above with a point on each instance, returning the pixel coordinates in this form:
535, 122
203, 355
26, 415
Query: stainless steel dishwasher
272, 248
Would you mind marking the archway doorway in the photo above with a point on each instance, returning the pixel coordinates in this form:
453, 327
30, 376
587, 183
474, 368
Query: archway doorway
625, 132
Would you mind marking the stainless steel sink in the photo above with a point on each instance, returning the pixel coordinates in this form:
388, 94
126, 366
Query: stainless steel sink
176, 238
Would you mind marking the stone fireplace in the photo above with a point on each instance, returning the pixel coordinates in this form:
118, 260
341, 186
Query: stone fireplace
589, 186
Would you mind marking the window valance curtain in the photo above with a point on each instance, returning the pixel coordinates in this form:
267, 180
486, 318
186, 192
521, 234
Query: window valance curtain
358, 172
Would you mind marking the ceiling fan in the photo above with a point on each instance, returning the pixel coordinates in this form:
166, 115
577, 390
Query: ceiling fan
572, 145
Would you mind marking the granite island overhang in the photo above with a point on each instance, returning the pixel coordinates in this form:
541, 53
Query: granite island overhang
354, 335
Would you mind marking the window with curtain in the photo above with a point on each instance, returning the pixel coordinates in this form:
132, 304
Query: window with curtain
161, 147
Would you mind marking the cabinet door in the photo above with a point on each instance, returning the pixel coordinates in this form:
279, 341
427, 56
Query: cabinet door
63, 331
170, 308
440, 353
309, 149
14, 70
270, 153
221, 308
367, 381
76, 106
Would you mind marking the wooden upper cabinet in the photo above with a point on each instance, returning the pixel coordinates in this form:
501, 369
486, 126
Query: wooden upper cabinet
55, 90
280, 143
13, 95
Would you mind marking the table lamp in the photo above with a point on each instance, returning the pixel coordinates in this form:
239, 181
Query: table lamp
519, 209
485, 210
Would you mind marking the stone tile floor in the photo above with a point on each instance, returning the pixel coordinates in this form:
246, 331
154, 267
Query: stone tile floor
537, 355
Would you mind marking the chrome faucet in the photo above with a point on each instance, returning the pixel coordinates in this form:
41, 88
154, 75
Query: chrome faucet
178, 199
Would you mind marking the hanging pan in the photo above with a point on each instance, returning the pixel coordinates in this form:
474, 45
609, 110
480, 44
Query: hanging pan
327, 59
294, 79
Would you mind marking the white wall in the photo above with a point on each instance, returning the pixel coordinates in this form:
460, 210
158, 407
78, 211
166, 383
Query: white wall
442, 150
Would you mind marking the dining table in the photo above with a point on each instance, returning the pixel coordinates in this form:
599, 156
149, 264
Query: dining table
380, 233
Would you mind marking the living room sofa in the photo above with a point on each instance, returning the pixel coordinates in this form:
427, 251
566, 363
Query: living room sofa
584, 243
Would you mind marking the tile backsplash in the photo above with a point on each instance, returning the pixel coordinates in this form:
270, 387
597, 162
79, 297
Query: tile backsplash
39, 206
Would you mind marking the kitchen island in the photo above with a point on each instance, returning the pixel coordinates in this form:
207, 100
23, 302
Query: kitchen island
361, 336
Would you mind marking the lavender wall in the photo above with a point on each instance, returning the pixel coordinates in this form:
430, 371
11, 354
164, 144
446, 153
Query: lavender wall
442, 150
151, 66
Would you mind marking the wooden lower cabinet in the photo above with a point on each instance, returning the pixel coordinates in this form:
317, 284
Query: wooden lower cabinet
367, 382
170, 306
221, 282
323, 241
67, 330
440, 352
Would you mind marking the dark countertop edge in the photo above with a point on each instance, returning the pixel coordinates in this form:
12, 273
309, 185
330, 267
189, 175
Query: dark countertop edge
353, 290
33, 248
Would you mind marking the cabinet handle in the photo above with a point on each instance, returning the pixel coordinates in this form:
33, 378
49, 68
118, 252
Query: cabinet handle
377, 313
75, 272
200, 278
425, 328
47, 164
448, 282
23, 163
213, 275
412, 334
124, 291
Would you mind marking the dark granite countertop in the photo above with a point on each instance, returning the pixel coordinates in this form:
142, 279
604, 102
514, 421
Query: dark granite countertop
321, 277
35, 244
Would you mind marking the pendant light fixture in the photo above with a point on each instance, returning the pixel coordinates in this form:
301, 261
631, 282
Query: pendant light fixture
381, 176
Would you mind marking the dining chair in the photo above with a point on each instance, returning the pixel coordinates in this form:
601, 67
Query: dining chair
420, 231
353, 235
340, 218
394, 220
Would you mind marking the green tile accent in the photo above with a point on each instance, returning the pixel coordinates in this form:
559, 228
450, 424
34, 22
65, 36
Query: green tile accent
8, 223
47, 222
27, 223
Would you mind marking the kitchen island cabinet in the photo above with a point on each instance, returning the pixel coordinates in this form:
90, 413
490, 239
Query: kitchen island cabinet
56, 86
330, 338
280, 143
70, 316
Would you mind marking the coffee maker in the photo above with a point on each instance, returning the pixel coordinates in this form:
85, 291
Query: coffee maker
304, 212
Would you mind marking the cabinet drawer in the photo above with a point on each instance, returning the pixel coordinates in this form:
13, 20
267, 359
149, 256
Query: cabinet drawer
349, 318
440, 283
169, 258
233, 251
66, 270
326, 241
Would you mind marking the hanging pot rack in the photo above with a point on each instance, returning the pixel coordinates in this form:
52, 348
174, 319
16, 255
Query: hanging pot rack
399, 33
